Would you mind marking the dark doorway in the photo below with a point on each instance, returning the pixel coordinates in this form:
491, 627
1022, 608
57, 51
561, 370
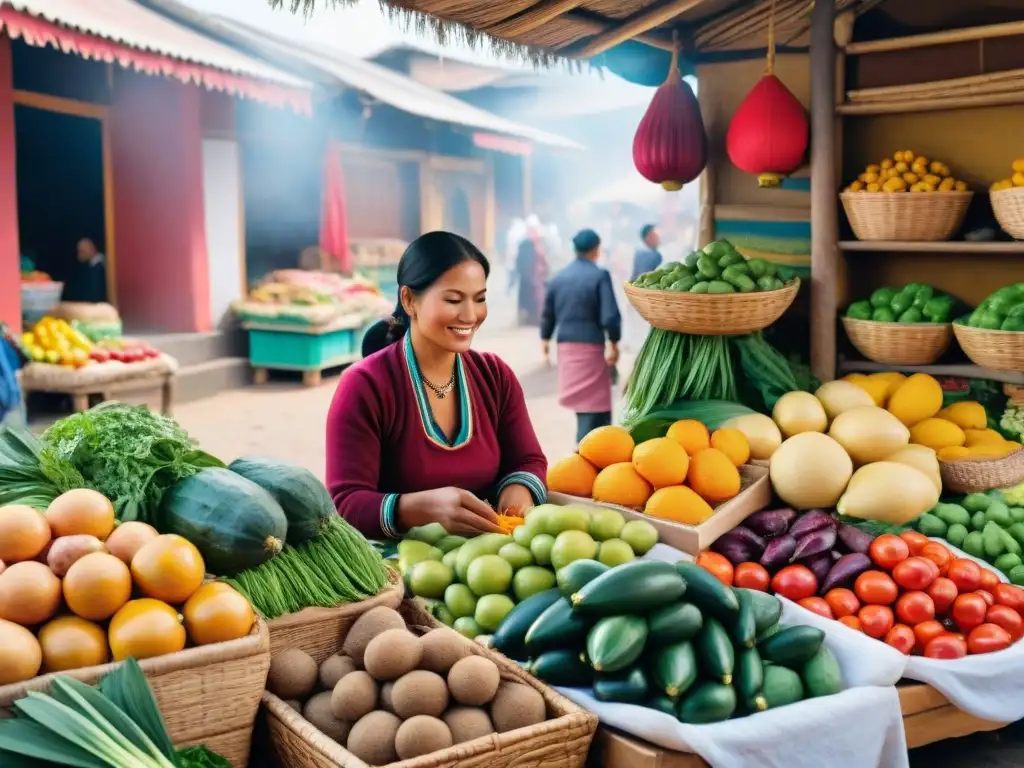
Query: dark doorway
457, 213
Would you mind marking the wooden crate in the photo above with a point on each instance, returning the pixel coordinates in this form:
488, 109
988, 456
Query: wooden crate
309, 349
82, 394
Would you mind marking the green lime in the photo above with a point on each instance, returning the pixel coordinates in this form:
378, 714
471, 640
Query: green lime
467, 627
431, 533
450, 558
541, 548
416, 550
489, 575
606, 524
571, 546
491, 610
448, 543
640, 535
614, 552
460, 600
516, 555
429, 578
523, 535
530, 580
567, 519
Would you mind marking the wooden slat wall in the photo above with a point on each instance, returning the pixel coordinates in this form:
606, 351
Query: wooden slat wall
373, 191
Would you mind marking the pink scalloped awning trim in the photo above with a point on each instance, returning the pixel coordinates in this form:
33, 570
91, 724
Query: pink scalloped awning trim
40, 33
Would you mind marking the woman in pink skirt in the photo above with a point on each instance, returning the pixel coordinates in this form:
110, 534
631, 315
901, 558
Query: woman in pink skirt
580, 306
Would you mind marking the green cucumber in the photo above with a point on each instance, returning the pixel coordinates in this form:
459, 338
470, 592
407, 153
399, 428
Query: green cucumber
992, 540
673, 624
976, 502
1017, 531
573, 577
952, 514
1011, 544
772, 630
1007, 562
708, 703
749, 680
1017, 514
767, 608
743, 629
628, 687
974, 545
932, 525
707, 592
715, 651
822, 675
562, 667
510, 638
637, 587
558, 626
674, 669
662, 704
999, 514
616, 642
792, 646
782, 686
978, 521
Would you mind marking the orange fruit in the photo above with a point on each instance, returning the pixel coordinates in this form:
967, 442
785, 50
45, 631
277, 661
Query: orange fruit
679, 504
605, 446
96, 586
216, 613
621, 484
573, 475
733, 444
81, 510
691, 434
168, 568
145, 628
69, 642
661, 462
713, 475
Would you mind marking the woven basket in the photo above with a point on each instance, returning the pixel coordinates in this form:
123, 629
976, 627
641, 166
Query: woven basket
899, 343
560, 742
905, 216
712, 314
1008, 206
208, 695
977, 475
995, 350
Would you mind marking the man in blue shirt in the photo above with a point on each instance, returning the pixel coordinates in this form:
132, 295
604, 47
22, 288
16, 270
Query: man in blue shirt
647, 257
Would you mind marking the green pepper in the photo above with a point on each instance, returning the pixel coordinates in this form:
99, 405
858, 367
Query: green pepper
882, 297
990, 320
745, 283
720, 286
1003, 300
732, 274
770, 269
690, 259
922, 296
701, 287
883, 315
912, 315
672, 265
757, 267
900, 303
708, 267
859, 310
938, 309
777, 284
766, 283
683, 284
1012, 324
1017, 311
731, 258
666, 281
718, 248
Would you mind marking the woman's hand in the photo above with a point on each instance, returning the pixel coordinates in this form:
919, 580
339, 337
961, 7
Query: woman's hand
516, 497
459, 511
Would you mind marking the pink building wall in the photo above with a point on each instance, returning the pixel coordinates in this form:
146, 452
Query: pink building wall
10, 261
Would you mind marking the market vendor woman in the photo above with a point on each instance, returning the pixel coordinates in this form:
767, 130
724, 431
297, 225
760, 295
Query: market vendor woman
424, 429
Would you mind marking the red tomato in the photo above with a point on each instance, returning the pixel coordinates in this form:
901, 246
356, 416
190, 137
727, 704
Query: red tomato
718, 565
986, 596
969, 611
988, 638
938, 554
875, 588
817, 605
1006, 617
876, 620
888, 550
915, 573
751, 576
914, 540
1010, 595
943, 592
842, 602
927, 631
795, 582
989, 580
946, 646
914, 608
966, 574
901, 637
852, 622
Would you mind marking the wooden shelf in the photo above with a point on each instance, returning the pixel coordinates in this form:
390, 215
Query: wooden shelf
912, 106
962, 370
955, 246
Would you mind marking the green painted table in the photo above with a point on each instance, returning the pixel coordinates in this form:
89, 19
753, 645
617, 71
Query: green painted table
306, 348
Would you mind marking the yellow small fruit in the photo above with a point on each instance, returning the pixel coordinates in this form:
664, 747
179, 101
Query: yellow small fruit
916, 399
733, 444
857, 186
923, 161
573, 475
875, 168
605, 446
622, 484
982, 437
961, 186
954, 452
1018, 165
661, 462
873, 188
937, 434
887, 163
1018, 179
895, 184
679, 504
691, 434
910, 178
947, 185
966, 414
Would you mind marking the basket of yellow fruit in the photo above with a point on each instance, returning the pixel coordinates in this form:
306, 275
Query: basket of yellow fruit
1007, 197
906, 198
982, 466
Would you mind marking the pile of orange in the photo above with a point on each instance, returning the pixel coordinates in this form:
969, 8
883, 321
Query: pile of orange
679, 477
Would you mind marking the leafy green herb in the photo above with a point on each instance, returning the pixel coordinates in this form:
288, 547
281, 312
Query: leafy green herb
201, 757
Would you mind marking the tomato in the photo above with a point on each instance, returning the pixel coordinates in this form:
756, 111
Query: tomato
795, 582
718, 565
876, 588
842, 602
1006, 617
989, 580
852, 622
751, 576
1009, 595
876, 620
915, 573
946, 646
986, 596
901, 637
914, 540
988, 638
966, 574
938, 554
969, 611
817, 605
943, 592
914, 608
927, 631
888, 550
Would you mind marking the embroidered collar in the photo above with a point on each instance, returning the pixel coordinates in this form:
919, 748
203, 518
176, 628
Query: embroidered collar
434, 432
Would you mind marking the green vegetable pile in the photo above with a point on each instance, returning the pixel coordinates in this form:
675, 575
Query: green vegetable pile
913, 303
1001, 311
718, 268
668, 637
1012, 422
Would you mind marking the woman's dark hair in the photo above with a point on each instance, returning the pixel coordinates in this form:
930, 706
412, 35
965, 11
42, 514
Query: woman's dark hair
427, 258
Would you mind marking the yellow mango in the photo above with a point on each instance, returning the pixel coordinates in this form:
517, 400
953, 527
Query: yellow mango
953, 453
937, 434
982, 437
891, 379
966, 414
916, 399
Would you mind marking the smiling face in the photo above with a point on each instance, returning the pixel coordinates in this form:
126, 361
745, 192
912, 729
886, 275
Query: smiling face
450, 311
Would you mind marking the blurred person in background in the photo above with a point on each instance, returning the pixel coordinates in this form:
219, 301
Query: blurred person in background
516, 233
12, 359
88, 281
532, 270
646, 258
580, 307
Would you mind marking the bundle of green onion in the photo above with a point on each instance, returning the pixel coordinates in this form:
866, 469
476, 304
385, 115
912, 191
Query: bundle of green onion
117, 724
22, 478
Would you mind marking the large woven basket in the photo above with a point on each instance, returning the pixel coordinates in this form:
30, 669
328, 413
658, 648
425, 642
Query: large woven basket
707, 314
560, 742
208, 695
899, 343
905, 216
977, 475
1008, 206
995, 350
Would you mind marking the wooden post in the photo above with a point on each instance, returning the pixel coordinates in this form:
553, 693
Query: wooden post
527, 185
824, 212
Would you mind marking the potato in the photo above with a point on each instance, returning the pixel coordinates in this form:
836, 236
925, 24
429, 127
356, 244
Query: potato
66, 550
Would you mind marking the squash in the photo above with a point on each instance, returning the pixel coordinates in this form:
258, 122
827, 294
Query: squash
145, 628
921, 458
234, 523
79, 511
889, 492
217, 613
29, 593
838, 396
24, 533
70, 642
797, 412
761, 432
169, 568
306, 504
869, 433
20, 654
810, 470
96, 586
